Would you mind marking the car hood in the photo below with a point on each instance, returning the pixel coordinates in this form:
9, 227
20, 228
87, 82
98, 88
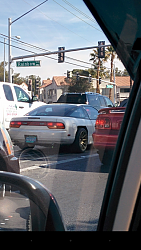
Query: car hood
121, 22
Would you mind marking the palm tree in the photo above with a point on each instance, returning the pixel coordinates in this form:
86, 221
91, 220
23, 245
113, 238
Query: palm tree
111, 53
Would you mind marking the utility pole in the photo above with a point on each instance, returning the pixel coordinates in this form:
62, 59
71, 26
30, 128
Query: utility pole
9, 50
9, 38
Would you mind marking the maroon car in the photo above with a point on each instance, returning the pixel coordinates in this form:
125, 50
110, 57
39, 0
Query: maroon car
107, 128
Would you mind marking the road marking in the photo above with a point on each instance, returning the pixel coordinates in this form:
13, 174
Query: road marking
58, 162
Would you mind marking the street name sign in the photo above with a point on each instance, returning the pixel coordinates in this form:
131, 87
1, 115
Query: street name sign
28, 63
109, 86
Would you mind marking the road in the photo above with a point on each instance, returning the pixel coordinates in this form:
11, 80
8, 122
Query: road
14, 212
76, 180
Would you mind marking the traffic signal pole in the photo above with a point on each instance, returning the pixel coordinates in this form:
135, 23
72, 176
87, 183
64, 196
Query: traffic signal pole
56, 52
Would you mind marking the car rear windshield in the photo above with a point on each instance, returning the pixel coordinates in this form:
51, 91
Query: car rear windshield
73, 98
52, 110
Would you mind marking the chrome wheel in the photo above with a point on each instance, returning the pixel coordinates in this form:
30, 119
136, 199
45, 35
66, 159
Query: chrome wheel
81, 140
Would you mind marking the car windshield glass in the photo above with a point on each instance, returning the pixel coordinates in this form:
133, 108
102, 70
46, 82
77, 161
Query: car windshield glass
73, 98
51, 110
67, 139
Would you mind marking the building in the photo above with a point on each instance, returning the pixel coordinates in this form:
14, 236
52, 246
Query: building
123, 87
51, 90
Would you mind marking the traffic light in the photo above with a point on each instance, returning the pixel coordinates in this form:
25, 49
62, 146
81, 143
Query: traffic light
117, 95
61, 55
69, 74
29, 84
101, 50
90, 78
36, 84
99, 80
77, 76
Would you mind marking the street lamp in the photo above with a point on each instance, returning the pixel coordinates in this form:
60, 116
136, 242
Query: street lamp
18, 37
9, 37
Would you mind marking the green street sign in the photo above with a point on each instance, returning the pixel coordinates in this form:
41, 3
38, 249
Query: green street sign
28, 63
109, 86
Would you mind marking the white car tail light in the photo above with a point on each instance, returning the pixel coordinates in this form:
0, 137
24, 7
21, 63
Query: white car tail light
50, 125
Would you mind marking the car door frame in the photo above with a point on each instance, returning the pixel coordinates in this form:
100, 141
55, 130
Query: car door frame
122, 168
22, 106
124, 152
9, 106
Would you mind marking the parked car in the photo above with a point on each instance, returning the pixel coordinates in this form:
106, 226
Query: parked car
107, 128
96, 100
14, 101
70, 124
124, 103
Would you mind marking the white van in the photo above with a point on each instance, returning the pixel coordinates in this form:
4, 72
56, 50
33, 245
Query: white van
14, 101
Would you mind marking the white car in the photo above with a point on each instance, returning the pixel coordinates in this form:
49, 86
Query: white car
14, 101
55, 124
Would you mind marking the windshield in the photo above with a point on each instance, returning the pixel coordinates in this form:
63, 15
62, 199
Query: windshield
52, 110
67, 147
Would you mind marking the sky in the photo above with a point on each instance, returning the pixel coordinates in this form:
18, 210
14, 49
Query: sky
56, 23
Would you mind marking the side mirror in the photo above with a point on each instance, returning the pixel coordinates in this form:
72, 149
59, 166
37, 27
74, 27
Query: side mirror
26, 204
34, 98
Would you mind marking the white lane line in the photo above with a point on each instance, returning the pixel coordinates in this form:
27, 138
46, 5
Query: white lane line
57, 162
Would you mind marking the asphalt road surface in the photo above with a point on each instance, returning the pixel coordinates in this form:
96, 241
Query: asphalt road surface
14, 212
76, 180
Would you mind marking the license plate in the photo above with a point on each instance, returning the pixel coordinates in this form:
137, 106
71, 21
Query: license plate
30, 139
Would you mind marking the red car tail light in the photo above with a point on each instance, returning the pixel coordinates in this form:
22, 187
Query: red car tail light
103, 123
55, 125
15, 124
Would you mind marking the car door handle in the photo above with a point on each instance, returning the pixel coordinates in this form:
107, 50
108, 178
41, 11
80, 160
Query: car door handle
21, 107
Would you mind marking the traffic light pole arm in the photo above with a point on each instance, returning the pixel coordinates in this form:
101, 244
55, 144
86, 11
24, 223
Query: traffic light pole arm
113, 83
56, 52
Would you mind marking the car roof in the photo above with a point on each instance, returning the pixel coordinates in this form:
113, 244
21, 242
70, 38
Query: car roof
66, 104
121, 27
86, 93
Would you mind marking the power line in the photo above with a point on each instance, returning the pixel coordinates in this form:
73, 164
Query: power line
82, 13
39, 48
77, 16
44, 55
28, 11
74, 64
15, 40
58, 23
42, 49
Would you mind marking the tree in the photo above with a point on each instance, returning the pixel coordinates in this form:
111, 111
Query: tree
110, 53
125, 73
118, 72
2, 72
18, 80
82, 84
